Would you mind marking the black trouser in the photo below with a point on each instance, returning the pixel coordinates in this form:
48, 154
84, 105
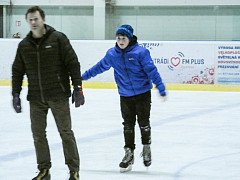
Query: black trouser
136, 106
61, 112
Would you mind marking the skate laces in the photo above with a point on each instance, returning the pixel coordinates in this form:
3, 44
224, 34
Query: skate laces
128, 155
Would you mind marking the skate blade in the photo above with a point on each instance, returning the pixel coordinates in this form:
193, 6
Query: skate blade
123, 170
147, 164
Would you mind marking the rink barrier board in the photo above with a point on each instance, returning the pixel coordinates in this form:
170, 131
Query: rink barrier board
169, 86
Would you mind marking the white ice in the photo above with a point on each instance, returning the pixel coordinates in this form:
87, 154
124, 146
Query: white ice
195, 136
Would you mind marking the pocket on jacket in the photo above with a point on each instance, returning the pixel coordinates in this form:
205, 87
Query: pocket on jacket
60, 83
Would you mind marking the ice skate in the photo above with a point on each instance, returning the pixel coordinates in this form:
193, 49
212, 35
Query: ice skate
146, 154
127, 161
74, 175
44, 174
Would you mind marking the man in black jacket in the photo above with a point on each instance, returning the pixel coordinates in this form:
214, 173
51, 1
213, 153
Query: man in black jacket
49, 61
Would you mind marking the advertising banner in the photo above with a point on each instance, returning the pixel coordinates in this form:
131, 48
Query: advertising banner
228, 63
183, 62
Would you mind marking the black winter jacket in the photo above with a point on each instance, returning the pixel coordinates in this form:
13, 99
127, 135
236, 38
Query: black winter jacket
49, 65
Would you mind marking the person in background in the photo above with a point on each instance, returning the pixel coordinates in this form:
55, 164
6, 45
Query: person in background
134, 73
49, 61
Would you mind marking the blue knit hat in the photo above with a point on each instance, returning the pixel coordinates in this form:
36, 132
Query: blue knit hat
126, 30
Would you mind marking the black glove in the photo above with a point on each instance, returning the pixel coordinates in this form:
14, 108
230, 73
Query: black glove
17, 103
77, 96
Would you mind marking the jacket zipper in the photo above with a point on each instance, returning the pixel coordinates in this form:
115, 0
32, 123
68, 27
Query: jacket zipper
124, 60
39, 74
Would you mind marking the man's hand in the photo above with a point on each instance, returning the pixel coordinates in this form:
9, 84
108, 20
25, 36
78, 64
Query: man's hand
17, 103
77, 96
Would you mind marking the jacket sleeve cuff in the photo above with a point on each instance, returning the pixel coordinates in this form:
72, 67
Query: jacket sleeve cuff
77, 82
161, 88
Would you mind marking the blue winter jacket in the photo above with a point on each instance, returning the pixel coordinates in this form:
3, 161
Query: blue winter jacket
134, 70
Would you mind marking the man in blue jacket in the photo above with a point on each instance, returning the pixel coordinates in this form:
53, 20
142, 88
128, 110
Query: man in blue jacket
134, 73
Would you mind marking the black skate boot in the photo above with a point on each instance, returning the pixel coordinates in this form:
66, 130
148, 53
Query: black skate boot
146, 154
127, 161
74, 175
44, 174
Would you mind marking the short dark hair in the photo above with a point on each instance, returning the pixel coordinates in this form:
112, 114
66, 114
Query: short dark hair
34, 9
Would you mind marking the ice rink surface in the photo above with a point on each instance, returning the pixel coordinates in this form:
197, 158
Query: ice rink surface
195, 136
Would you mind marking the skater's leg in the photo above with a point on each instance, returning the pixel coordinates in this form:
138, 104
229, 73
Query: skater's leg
38, 115
143, 114
61, 113
143, 108
128, 111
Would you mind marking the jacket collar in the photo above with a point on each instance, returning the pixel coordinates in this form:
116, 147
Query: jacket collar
48, 28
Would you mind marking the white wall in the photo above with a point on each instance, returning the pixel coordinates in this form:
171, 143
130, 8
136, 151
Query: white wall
76, 23
124, 2
88, 52
173, 23
4, 2
54, 2
193, 62
7, 54
175, 2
